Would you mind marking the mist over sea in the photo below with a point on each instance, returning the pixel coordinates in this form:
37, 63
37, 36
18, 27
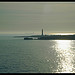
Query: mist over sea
36, 56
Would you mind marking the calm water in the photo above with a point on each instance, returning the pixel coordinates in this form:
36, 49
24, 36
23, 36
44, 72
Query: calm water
36, 56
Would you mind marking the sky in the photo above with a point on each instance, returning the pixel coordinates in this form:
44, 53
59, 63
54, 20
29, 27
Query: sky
31, 17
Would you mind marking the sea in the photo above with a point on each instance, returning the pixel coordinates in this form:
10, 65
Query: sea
36, 56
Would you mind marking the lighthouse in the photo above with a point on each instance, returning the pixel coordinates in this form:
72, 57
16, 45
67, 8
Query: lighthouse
42, 32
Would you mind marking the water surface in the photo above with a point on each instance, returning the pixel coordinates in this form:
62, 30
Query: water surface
36, 56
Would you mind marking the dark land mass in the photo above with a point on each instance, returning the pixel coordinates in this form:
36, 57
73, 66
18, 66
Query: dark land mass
48, 37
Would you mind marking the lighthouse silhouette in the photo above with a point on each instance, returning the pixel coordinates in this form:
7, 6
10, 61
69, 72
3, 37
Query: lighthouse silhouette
42, 32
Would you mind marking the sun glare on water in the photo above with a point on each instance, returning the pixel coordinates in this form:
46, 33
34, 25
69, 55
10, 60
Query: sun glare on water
65, 55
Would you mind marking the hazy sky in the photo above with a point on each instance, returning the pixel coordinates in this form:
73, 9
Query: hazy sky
32, 17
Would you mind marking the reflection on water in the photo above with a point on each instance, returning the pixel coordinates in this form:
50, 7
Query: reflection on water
65, 56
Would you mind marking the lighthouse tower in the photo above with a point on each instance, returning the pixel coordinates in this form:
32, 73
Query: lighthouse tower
42, 32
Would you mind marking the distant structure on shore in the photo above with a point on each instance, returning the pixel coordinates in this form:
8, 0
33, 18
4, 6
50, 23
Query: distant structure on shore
42, 32
49, 37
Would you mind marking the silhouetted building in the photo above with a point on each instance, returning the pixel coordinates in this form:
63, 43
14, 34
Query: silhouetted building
42, 32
